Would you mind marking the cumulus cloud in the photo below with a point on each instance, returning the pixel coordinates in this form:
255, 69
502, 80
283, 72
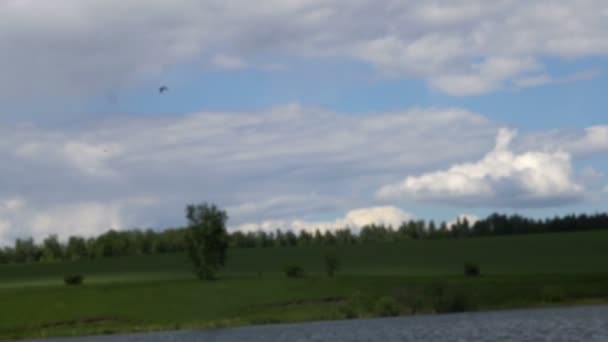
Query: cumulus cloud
460, 47
83, 156
19, 219
283, 162
577, 142
354, 220
500, 178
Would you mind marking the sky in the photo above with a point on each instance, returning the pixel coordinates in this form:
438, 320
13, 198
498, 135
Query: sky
298, 114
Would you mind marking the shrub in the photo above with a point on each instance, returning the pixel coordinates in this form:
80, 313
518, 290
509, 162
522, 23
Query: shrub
294, 271
386, 306
348, 310
411, 298
446, 300
471, 269
73, 279
553, 294
332, 264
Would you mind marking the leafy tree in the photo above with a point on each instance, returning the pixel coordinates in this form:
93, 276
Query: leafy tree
291, 238
304, 238
332, 264
5, 256
207, 238
76, 249
27, 251
52, 249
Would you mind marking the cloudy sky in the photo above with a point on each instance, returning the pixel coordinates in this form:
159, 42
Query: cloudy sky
298, 113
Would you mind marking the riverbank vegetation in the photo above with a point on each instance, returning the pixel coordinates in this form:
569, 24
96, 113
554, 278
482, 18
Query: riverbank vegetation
413, 276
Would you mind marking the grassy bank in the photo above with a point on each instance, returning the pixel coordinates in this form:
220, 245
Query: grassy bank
159, 292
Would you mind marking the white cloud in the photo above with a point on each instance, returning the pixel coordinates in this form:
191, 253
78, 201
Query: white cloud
85, 157
354, 220
69, 48
577, 142
283, 162
500, 178
471, 219
595, 139
484, 77
542, 79
19, 219
228, 62
11, 205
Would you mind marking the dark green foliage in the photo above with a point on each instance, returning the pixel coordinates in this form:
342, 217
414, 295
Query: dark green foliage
553, 294
73, 279
52, 250
76, 248
293, 271
386, 306
136, 242
412, 298
332, 264
446, 298
26, 251
207, 239
348, 310
471, 269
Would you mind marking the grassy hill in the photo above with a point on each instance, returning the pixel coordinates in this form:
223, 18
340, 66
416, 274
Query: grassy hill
160, 292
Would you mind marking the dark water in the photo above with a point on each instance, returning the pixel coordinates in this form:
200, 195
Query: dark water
587, 324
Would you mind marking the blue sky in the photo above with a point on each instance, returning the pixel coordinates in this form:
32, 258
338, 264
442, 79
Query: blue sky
299, 114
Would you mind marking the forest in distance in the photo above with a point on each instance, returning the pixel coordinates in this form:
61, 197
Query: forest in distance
144, 242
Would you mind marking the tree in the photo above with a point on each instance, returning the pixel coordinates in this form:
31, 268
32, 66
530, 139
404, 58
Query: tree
207, 238
52, 249
332, 264
77, 248
27, 251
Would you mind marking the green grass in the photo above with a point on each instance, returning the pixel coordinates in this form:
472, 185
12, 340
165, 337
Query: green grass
159, 292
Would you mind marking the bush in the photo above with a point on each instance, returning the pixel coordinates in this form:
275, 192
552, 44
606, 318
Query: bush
471, 269
451, 300
386, 306
553, 294
332, 264
73, 279
348, 310
294, 271
412, 299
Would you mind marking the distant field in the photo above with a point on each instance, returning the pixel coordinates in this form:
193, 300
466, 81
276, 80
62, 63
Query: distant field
564, 253
160, 292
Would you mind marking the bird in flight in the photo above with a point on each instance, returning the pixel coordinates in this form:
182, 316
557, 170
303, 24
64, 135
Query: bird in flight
163, 89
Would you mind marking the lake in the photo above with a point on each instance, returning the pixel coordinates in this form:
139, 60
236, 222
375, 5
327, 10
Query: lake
585, 323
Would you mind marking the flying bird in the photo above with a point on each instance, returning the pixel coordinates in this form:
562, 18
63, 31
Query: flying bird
163, 89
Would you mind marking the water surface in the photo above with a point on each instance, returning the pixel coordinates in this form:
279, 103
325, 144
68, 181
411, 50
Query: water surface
589, 324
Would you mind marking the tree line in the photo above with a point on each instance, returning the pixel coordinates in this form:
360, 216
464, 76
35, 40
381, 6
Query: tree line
140, 242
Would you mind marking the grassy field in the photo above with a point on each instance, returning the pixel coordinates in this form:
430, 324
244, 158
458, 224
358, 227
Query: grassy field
159, 292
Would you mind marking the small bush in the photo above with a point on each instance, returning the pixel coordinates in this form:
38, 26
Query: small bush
386, 306
348, 310
471, 269
553, 294
294, 271
411, 298
73, 279
446, 299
